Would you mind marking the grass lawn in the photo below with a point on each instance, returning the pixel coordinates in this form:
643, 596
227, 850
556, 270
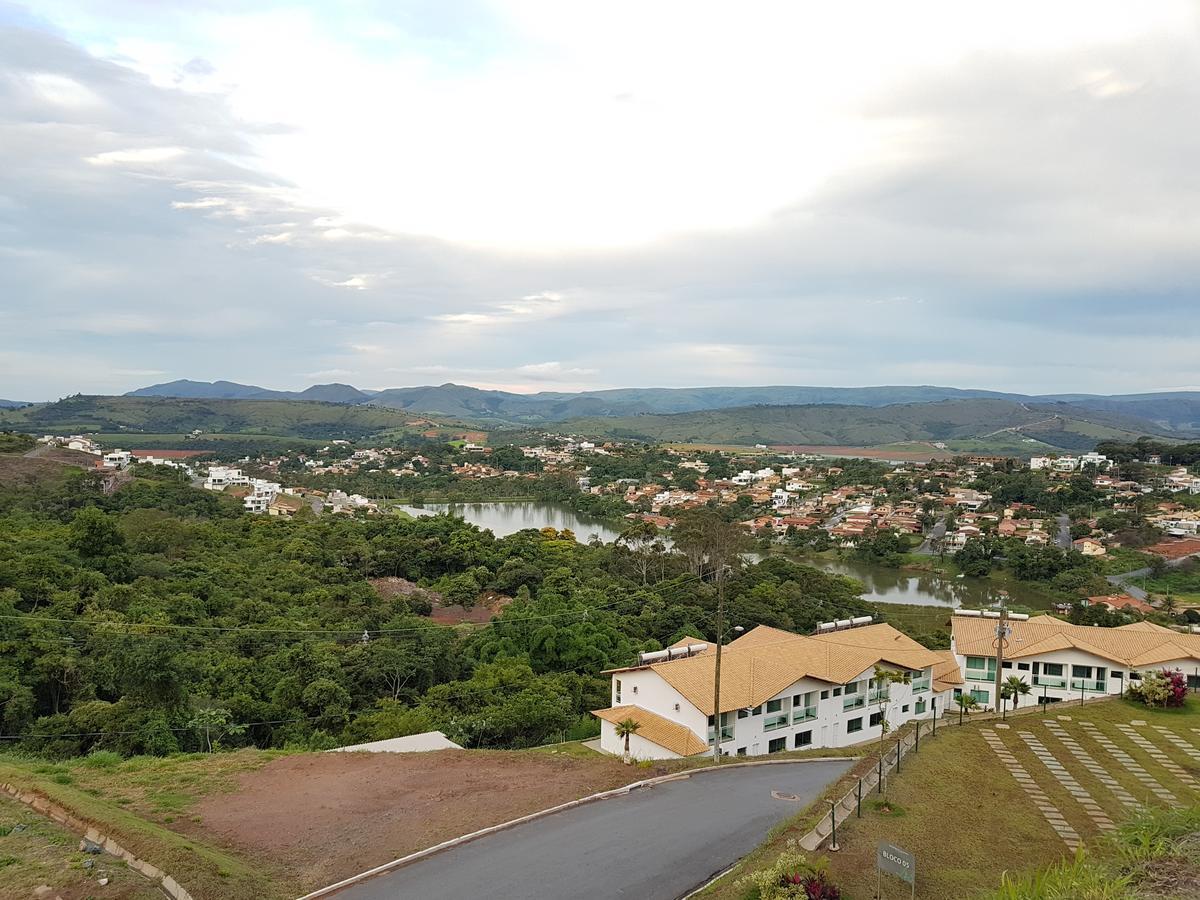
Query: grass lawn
1119, 560
1182, 582
35, 851
966, 818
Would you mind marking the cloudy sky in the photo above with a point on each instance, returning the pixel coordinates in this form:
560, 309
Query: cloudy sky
540, 195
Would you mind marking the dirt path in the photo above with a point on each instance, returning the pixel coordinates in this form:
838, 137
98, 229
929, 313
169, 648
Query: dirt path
325, 816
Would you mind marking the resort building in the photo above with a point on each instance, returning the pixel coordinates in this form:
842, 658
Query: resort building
1061, 661
779, 691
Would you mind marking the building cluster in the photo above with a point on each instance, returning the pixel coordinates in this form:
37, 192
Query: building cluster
849, 683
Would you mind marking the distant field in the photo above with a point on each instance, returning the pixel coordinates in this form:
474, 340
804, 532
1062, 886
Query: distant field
903, 452
140, 440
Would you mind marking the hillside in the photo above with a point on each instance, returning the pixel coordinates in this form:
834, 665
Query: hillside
162, 415
12, 404
231, 390
1058, 425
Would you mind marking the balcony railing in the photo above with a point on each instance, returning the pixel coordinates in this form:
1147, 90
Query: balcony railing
1087, 684
770, 723
854, 702
920, 685
803, 714
879, 694
726, 733
1049, 681
980, 675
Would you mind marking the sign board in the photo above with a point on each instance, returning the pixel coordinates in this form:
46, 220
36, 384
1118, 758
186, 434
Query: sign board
896, 862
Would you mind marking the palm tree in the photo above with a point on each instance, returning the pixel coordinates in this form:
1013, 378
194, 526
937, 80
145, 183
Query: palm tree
966, 703
1014, 686
624, 729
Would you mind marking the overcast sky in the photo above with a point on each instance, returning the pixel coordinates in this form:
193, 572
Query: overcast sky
555, 196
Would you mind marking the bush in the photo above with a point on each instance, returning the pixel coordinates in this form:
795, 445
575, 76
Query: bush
791, 877
1165, 688
102, 759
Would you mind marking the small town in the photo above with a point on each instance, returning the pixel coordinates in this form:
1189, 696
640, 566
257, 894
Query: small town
534, 451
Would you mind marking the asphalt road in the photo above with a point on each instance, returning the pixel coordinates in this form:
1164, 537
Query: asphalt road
652, 844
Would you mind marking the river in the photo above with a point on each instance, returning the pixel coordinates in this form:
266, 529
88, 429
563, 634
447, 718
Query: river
882, 584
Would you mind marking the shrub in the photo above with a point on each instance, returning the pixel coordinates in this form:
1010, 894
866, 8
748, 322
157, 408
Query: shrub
791, 877
102, 759
1165, 688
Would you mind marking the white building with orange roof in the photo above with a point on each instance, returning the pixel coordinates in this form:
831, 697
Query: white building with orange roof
779, 691
1061, 661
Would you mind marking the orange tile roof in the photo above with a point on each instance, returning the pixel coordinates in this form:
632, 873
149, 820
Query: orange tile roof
667, 734
765, 661
1131, 645
946, 673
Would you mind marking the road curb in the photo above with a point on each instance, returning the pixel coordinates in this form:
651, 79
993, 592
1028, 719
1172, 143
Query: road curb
570, 804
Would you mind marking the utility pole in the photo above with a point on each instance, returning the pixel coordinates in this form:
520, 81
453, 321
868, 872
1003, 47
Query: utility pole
1002, 633
717, 666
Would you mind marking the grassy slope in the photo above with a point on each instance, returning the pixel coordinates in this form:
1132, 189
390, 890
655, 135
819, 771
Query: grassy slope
136, 801
160, 415
964, 816
34, 851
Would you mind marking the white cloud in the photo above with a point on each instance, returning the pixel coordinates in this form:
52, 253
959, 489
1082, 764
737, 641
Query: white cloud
136, 157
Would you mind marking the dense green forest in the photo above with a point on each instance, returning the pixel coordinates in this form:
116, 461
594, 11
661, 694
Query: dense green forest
162, 618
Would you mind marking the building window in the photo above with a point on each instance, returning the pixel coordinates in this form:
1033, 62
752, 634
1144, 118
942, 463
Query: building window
854, 725
824, 695
919, 707
904, 708
774, 706
1007, 664
743, 713
617, 684
837, 692
1055, 669
741, 751
1023, 667
804, 739
980, 696
852, 688
776, 745
876, 718
757, 711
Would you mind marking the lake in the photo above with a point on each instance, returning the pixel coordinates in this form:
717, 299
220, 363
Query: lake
508, 517
887, 585
882, 584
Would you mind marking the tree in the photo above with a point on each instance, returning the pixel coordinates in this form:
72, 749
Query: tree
966, 703
885, 678
626, 728
1013, 688
212, 724
640, 538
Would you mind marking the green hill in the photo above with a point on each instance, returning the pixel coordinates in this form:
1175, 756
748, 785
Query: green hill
1003, 421
171, 415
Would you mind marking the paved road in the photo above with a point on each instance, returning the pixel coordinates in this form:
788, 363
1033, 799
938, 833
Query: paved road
652, 844
936, 533
1064, 532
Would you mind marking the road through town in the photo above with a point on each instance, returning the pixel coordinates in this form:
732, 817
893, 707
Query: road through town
655, 843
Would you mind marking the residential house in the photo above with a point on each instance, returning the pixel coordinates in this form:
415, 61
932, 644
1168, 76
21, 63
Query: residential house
779, 691
1089, 547
1061, 661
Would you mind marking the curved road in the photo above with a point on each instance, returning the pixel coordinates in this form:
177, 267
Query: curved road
650, 844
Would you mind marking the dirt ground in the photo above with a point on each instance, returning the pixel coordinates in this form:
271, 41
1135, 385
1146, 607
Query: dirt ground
325, 816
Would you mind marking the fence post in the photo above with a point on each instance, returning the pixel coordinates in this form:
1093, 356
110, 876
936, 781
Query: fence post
859, 805
881, 770
1044, 703
833, 844
899, 752
1081, 693
917, 745
935, 716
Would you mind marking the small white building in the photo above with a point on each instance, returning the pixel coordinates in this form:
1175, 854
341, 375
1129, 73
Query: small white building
262, 495
220, 477
117, 459
779, 691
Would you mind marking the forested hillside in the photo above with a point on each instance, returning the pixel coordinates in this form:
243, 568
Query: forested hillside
162, 618
1058, 425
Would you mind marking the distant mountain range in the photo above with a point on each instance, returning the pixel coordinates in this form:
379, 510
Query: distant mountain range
12, 404
970, 424
1166, 412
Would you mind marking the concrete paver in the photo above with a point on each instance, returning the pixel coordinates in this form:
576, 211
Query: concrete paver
1049, 811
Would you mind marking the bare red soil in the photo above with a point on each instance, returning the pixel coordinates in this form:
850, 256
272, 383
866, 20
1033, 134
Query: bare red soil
325, 816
